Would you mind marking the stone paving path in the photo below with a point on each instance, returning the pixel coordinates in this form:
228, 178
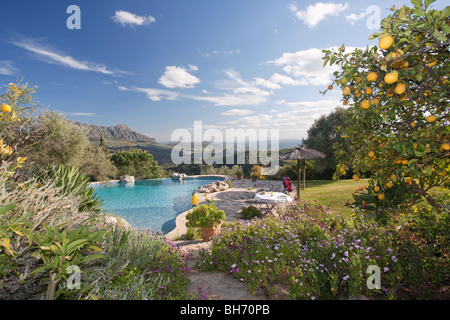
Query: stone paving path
214, 285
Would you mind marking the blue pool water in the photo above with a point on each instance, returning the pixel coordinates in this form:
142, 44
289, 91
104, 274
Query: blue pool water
150, 204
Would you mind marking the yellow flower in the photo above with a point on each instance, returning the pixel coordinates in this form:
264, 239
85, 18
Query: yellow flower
7, 151
195, 200
21, 160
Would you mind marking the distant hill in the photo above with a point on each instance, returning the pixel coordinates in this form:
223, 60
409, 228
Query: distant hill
118, 132
121, 137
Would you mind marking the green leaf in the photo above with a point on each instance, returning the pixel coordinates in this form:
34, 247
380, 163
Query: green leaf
439, 35
7, 208
421, 147
428, 2
445, 27
402, 15
392, 113
445, 13
399, 147
96, 248
410, 149
427, 171
92, 257
77, 244
40, 269
417, 3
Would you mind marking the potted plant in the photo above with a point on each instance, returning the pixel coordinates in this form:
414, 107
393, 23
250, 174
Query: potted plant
239, 175
256, 173
206, 217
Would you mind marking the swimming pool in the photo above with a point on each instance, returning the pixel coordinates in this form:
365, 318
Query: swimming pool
150, 204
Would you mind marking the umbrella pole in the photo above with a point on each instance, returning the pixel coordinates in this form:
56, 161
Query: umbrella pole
298, 179
304, 174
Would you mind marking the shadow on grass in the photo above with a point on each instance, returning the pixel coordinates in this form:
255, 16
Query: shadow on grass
313, 183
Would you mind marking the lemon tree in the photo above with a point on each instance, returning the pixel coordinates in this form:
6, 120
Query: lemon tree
16, 102
398, 93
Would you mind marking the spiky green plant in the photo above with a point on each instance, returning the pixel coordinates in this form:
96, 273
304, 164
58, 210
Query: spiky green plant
72, 182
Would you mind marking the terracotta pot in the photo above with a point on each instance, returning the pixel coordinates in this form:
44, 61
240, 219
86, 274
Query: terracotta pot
254, 179
239, 177
208, 233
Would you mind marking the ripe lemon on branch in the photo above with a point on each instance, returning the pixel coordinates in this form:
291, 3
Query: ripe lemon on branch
400, 88
391, 77
372, 76
365, 104
386, 42
6, 108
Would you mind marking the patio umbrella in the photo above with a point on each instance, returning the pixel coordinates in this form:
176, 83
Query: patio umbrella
302, 153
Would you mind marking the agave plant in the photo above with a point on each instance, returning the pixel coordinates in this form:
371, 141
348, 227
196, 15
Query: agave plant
72, 182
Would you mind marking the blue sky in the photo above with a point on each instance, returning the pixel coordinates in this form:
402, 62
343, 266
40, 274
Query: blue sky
158, 66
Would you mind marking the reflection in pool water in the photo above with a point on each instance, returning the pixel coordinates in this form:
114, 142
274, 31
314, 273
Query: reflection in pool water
150, 204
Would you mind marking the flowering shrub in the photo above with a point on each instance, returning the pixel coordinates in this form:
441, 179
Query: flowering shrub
311, 252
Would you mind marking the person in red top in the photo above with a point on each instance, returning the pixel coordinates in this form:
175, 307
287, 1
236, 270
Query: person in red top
287, 184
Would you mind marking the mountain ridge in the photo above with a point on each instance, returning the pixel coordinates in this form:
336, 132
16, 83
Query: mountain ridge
117, 132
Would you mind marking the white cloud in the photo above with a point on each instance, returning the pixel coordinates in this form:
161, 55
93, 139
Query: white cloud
179, 77
50, 56
152, 93
267, 83
222, 52
7, 68
232, 100
352, 18
276, 79
285, 80
82, 114
238, 92
127, 18
317, 12
306, 66
292, 123
314, 107
235, 91
237, 112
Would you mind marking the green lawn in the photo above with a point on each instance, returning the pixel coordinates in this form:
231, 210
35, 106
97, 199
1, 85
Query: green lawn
337, 194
